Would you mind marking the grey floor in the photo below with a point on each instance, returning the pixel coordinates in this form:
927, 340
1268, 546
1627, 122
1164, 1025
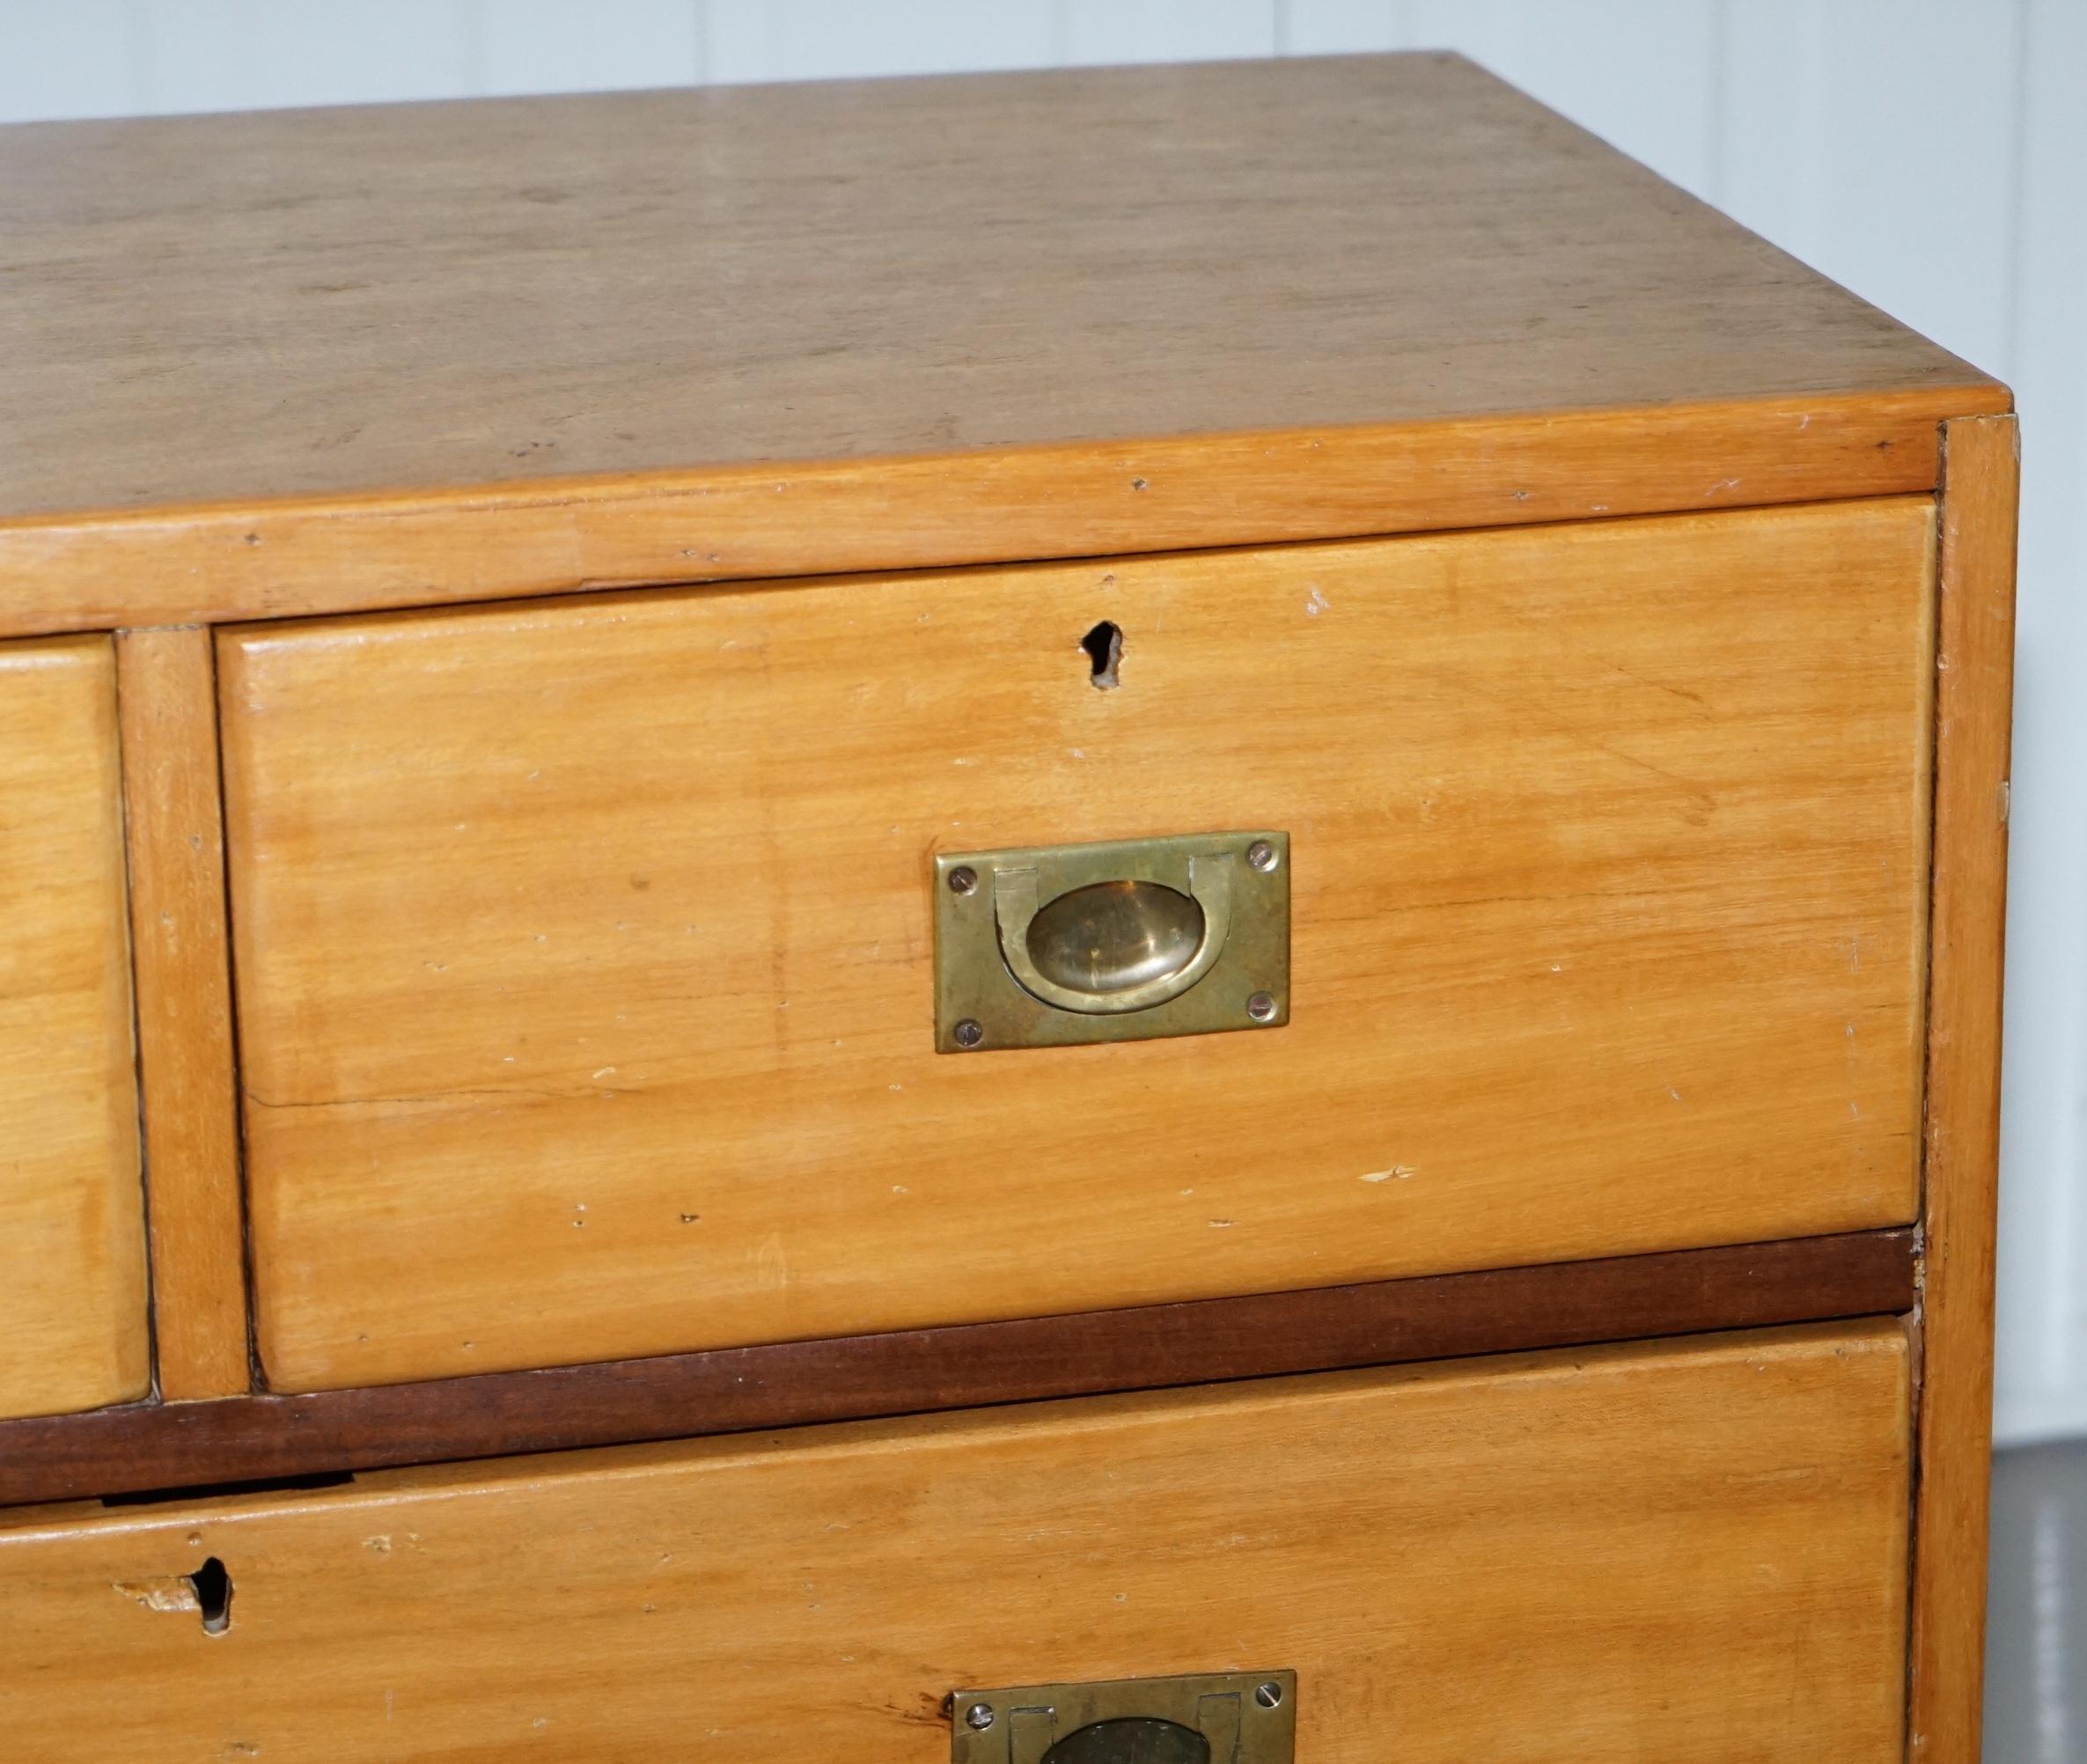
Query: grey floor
2036, 1637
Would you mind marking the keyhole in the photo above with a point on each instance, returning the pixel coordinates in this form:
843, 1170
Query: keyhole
1104, 645
213, 1596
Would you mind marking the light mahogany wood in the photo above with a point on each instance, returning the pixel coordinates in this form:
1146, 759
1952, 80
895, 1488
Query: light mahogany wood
584, 946
168, 708
760, 332
1623, 1556
537, 288
293, 557
1975, 674
585, 966
74, 1332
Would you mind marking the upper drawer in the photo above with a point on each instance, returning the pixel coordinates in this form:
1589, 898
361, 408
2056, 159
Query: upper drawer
584, 958
1630, 1555
73, 1330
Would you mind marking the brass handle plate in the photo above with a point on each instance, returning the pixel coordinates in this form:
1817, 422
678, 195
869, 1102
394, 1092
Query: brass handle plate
1215, 1718
1124, 940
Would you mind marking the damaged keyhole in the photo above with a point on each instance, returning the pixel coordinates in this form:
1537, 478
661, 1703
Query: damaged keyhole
212, 1587
1104, 645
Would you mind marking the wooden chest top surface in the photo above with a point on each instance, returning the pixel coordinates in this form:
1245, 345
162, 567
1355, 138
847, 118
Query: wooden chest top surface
317, 304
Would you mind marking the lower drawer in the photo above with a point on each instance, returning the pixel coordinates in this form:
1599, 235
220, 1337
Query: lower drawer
1646, 1553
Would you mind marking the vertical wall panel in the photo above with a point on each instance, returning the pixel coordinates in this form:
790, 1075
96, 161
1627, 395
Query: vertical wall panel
755, 39
605, 46
78, 59
2042, 1373
239, 55
1330, 27
1776, 89
1164, 30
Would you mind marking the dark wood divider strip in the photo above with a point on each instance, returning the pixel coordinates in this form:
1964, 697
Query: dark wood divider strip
255, 1438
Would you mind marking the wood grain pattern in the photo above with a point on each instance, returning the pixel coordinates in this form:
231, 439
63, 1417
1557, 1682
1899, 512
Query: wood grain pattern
167, 703
731, 1390
1975, 674
484, 293
1637, 1554
610, 1034
291, 557
73, 1326
392, 356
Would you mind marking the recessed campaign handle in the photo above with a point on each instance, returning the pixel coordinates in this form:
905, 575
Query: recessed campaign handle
1114, 946
1114, 940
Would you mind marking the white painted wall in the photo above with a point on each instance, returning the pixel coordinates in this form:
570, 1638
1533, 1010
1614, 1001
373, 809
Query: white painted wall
1931, 155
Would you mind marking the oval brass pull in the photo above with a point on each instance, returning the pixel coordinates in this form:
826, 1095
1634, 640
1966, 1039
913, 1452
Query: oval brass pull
1131, 1739
1113, 946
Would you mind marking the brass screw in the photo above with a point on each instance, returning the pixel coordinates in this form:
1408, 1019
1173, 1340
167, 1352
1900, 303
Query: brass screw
1269, 1694
1261, 855
1261, 1006
963, 880
979, 1717
970, 1032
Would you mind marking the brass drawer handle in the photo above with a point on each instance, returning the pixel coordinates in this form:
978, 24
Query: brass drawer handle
1125, 945
1124, 940
1214, 1718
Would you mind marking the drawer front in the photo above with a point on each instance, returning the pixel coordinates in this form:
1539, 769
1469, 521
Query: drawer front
585, 968
1647, 1552
73, 1328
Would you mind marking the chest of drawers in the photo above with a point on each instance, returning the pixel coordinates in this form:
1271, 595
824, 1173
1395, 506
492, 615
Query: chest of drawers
1056, 917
